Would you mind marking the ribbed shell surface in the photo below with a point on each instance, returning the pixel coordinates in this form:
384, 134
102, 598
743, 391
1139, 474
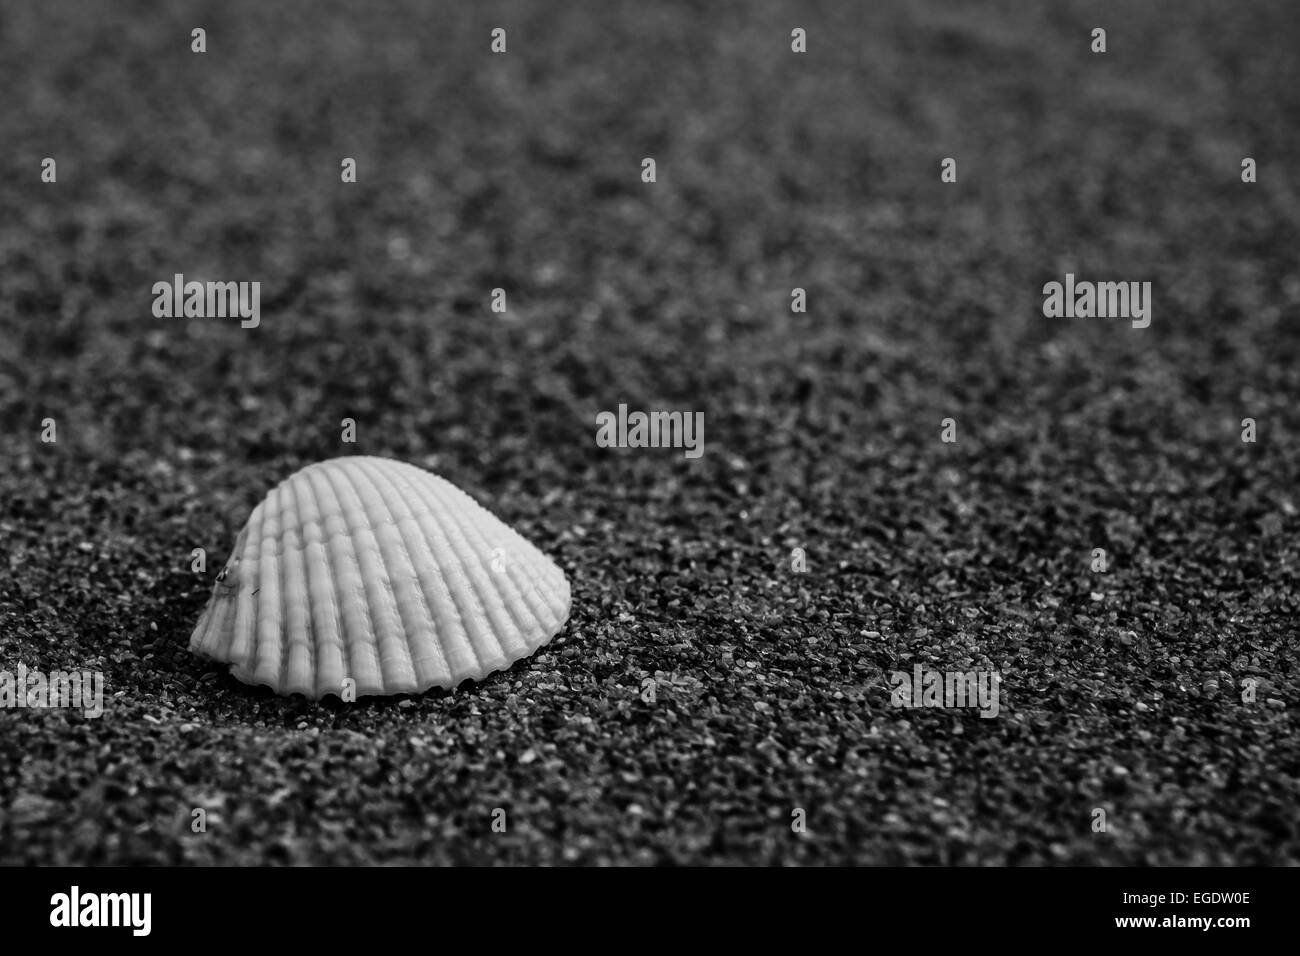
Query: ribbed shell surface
378, 571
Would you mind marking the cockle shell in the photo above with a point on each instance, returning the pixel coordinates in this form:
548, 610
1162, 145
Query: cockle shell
378, 571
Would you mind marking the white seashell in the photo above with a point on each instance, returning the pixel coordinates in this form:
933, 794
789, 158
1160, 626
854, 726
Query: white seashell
378, 571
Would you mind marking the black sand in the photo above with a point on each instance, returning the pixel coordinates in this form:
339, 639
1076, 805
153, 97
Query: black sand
1121, 691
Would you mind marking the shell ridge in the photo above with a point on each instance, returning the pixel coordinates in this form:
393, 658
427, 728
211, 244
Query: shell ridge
449, 622
538, 580
200, 634
475, 530
427, 621
212, 620
396, 670
455, 631
431, 524
207, 633
472, 522
466, 578
432, 527
343, 533
362, 655
534, 566
457, 634
222, 620
207, 628
328, 626
345, 575
409, 547
238, 651
473, 534
535, 570
320, 621
298, 645
269, 632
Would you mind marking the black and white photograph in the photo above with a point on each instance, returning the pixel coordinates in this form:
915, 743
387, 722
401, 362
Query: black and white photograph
843, 435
